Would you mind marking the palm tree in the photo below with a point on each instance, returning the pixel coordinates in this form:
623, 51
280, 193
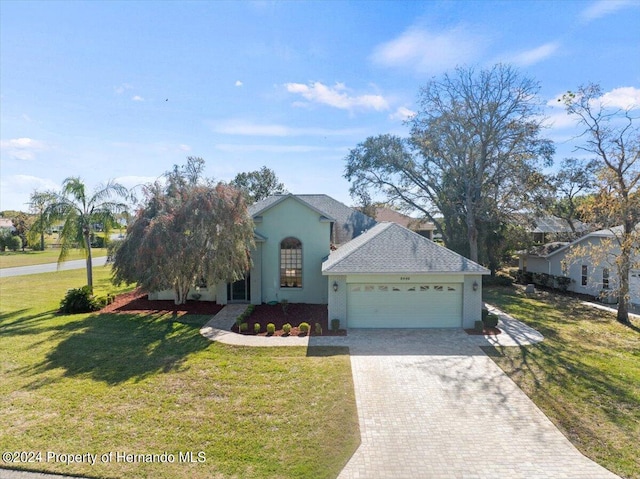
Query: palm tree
80, 213
38, 203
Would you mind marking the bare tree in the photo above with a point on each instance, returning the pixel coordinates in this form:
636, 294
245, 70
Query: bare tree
473, 156
612, 136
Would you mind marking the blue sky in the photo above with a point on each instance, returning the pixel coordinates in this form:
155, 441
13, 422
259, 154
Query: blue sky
124, 90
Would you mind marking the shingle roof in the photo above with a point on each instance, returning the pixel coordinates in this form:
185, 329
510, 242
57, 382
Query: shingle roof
391, 248
348, 223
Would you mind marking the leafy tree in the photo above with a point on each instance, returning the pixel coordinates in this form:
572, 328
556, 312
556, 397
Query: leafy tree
38, 202
473, 156
80, 212
22, 223
258, 185
189, 229
612, 136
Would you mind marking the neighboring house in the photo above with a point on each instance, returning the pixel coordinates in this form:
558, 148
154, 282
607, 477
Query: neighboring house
551, 228
423, 228
7, 224
314, 249
587, 277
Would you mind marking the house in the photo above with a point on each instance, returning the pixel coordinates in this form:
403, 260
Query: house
566, 260
6, 224
545, 228
423, 228
314, 249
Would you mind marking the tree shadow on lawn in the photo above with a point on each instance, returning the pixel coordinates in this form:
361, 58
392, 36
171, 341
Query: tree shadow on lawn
115, 348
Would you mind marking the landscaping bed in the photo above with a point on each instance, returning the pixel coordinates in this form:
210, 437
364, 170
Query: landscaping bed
138, 302
293, 314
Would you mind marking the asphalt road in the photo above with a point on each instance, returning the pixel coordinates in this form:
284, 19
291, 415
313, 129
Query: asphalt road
50, 267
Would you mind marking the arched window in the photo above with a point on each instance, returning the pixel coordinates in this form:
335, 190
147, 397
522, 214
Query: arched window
290, 263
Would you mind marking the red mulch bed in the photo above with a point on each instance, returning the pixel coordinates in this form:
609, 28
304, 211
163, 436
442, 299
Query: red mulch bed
487, 331
296, 313
137, 302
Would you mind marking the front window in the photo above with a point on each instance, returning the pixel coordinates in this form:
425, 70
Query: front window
584, 275
291, 263
605, 278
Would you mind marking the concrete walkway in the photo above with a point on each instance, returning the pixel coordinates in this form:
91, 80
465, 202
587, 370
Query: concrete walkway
431, 404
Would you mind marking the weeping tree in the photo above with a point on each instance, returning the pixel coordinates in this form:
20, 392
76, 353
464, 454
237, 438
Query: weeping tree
80, 212
188, 229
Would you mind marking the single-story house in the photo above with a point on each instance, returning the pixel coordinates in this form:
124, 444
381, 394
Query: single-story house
314, 249
422, 227
586, 276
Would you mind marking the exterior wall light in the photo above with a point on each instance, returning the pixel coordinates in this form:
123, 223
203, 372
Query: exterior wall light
475, 286
335, 286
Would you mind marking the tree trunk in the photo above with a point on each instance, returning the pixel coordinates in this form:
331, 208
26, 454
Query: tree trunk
42, 240
87, 242
181, 290
624, 262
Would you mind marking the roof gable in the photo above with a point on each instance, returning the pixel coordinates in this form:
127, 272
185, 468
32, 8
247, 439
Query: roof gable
391, 248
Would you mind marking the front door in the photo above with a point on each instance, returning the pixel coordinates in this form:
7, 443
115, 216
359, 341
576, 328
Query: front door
239, 291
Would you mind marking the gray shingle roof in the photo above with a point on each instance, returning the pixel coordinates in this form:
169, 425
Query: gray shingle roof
348, 223
391, 248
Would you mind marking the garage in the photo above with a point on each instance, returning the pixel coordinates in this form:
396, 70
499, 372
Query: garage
424, 305
391, 277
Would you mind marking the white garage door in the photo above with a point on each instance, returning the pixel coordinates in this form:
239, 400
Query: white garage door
433, 305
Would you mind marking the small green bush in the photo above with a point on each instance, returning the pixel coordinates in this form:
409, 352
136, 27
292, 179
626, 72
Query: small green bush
335, 324
485, 313
271, 328
286, 328
318, 327
491, 321
79, 300
256, 328
304, 328
478, 326
244, 327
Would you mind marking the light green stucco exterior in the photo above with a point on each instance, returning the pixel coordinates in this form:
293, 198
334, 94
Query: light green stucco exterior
291, 218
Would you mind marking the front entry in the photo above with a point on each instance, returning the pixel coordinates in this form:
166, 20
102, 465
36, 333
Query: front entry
239, 291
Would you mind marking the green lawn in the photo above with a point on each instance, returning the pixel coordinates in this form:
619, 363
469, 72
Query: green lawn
150, 384
12, 259
585, 375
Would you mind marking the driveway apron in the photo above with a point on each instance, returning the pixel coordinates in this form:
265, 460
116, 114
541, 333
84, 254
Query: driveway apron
431, 404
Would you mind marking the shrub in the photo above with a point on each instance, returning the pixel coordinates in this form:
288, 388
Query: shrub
79, 300
485, 313
271, 328
256, 328
286, 328
244, 327
335, 324
318, 327
478, 326
304, 328
491, 321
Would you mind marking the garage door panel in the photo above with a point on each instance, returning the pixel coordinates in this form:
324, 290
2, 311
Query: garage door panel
404, 306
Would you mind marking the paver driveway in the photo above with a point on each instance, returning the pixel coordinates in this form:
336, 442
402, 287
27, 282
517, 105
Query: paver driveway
432, 405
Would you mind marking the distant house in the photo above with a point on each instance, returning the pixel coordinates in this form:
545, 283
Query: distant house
551, 228
314, 249
560, 260
423, 228
6, 224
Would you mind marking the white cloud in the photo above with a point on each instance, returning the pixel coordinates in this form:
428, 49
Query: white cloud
122, 88
535, 55
603, 8
137, 98
238, 83
16, 189
402, 113
428, 51
248, 128
336, 96
627, 98
22, 148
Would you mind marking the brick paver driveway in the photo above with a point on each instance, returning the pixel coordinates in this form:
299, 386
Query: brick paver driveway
432, 405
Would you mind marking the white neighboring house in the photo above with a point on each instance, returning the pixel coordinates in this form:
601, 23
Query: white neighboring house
6, 223
596, 279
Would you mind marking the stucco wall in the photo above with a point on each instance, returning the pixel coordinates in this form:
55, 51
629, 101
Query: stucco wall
292, 218
338, 300
471, 301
